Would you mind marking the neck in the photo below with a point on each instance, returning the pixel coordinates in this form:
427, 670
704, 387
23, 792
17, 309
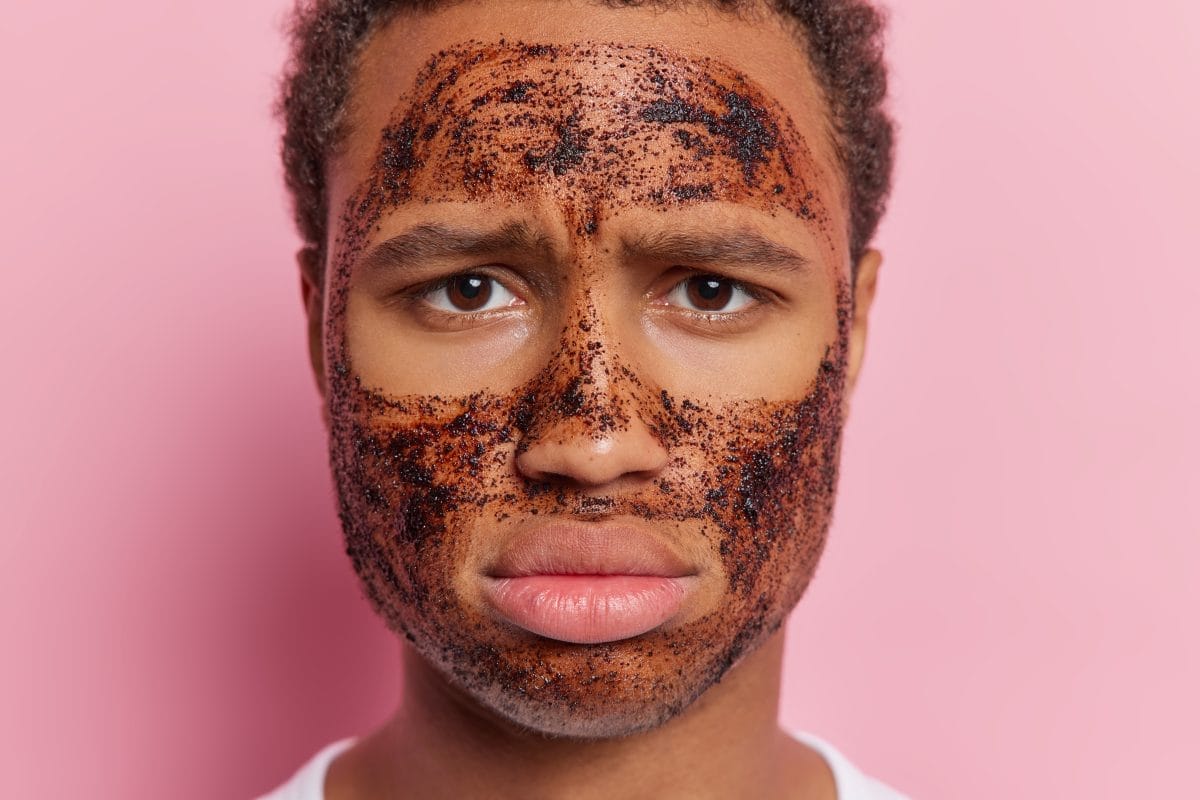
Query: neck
442, 743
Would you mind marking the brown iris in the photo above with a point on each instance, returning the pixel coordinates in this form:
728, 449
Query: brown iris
709, 293
469, 292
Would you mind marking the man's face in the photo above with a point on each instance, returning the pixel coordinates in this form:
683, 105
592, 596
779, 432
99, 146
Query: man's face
587, 310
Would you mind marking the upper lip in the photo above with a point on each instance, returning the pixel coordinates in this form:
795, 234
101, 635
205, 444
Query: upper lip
572, 548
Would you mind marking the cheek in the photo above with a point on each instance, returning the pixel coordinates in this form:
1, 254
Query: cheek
414, 478
763, 477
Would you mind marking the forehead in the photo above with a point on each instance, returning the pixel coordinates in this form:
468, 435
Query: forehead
680, 105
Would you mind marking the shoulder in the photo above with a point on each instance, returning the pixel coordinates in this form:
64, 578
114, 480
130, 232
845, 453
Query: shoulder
309, 781
852, 784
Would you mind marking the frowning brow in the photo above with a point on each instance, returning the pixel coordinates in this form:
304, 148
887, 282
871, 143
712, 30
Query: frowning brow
700, 248
434, 241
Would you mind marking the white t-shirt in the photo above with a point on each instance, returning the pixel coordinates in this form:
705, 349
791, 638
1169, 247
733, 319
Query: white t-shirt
309, 782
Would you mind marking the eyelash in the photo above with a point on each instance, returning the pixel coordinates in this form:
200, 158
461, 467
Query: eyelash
423, 292
755, 295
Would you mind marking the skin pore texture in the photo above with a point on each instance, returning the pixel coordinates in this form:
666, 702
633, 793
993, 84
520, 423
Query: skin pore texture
599, 280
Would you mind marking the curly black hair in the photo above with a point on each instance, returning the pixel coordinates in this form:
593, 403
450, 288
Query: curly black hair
843, 40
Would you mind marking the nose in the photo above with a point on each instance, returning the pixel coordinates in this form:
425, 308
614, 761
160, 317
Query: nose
586, 430
581, 456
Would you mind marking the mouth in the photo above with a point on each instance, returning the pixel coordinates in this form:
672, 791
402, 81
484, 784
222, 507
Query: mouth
588, 583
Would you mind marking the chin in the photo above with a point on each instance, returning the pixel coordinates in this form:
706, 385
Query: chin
543, 687
590, 721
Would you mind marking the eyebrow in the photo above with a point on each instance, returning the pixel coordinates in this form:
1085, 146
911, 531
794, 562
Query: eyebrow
431, 241
742, 247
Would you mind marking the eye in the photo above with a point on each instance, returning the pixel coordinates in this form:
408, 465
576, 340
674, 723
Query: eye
470, 293
710, 294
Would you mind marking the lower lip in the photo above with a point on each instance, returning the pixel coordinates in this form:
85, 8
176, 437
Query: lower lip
587, 609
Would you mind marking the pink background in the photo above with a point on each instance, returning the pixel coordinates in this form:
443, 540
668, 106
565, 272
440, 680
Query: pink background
1008, 606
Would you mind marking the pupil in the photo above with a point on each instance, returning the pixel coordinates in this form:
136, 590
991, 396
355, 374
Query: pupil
710, 293
470, 287
710, 288
470, 292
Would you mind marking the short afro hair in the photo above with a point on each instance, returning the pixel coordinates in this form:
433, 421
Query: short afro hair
843, 40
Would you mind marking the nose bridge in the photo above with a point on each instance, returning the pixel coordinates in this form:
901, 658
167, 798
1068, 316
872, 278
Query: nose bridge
579, 422
595, 387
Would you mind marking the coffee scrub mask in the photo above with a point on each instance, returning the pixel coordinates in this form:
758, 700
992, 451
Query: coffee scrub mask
429, 482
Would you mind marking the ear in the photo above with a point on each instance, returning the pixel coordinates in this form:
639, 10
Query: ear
312, 293
867, 275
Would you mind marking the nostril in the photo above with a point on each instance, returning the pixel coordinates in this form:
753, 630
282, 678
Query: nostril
581, 458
